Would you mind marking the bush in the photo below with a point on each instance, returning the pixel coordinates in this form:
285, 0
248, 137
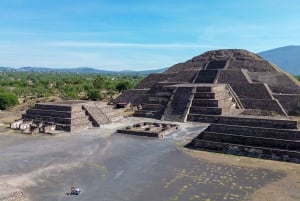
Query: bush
122, 86
94, 94
70, 95
7, 100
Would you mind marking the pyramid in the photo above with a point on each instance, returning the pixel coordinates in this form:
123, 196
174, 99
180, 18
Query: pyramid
255, 86
247, 101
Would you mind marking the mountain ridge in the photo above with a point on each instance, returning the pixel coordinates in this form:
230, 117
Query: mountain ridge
85, 70
287, 58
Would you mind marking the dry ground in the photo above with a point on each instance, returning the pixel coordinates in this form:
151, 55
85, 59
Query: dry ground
186, 173
286, 189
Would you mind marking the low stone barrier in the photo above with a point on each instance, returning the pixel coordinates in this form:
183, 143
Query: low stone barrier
255, 131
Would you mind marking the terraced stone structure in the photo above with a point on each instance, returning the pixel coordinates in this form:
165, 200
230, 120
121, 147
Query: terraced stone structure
236, 91
68, 116
149, 129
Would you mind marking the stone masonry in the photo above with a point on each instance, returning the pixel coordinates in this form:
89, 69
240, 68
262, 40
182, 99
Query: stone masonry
247, 100
66, 116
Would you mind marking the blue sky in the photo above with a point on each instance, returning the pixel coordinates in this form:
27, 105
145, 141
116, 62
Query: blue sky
137, 35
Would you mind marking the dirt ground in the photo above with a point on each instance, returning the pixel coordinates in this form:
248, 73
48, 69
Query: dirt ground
285, 189
102, 163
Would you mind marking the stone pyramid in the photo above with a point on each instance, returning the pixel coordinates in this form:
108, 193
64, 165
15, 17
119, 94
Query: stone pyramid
254, 85
247, 100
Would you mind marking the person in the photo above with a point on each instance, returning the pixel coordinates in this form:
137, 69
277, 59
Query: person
75, 191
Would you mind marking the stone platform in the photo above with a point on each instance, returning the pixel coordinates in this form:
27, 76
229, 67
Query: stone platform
254, 137
149, 129
66, 116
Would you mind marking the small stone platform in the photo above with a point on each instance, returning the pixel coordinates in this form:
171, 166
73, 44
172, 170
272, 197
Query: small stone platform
67, 116
149, 129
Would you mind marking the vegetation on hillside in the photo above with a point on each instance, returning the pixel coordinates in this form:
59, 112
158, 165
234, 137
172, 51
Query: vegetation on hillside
26, 86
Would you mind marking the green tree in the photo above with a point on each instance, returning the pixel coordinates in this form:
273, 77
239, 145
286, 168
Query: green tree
94, 94
70, 95
121, 86
99, 82
7, 100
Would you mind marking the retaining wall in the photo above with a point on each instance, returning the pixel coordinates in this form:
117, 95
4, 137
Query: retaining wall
255, 131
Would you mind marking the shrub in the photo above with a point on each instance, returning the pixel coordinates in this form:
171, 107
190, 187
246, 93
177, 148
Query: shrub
7, 100
94, 94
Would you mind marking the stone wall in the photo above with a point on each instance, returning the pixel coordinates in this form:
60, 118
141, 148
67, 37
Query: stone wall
252, 141
193, 64
250, 65
133, 96
278, 82
286, 134
290, 102
261, 152
206, 76
232, 77
251, 91
266, 104
216, 65
151, 80
245, 121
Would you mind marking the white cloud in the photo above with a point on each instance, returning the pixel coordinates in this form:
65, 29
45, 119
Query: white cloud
126, 45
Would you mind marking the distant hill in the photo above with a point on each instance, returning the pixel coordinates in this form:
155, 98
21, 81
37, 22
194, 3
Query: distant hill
287, 58
86, 70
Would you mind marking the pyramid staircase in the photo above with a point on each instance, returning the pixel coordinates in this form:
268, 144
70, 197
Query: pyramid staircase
99, 114
210, 100
261, 138
155, 104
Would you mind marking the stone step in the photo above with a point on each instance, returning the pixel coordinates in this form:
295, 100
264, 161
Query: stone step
53, 107
48, 119
50, 113
206, 110
204, 95
243, 121
203, 118
147, 113
205, 103
250, 141
163, 94
157, 100
250, 151
206, 76
255, 131
216, 65
203, 89
152, 106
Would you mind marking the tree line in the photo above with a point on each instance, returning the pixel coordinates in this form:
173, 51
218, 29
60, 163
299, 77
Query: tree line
20, 87
27, 86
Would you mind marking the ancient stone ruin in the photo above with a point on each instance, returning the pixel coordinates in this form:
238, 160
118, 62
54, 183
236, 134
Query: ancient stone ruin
246, 99
67, 116
149, 129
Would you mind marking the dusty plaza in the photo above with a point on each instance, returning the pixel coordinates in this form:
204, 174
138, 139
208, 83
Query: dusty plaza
109, 166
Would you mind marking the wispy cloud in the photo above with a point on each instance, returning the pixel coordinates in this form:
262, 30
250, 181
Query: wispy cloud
126, 45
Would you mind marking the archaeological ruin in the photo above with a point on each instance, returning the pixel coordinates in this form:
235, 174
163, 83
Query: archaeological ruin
67, 116
149, 129
247, 101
